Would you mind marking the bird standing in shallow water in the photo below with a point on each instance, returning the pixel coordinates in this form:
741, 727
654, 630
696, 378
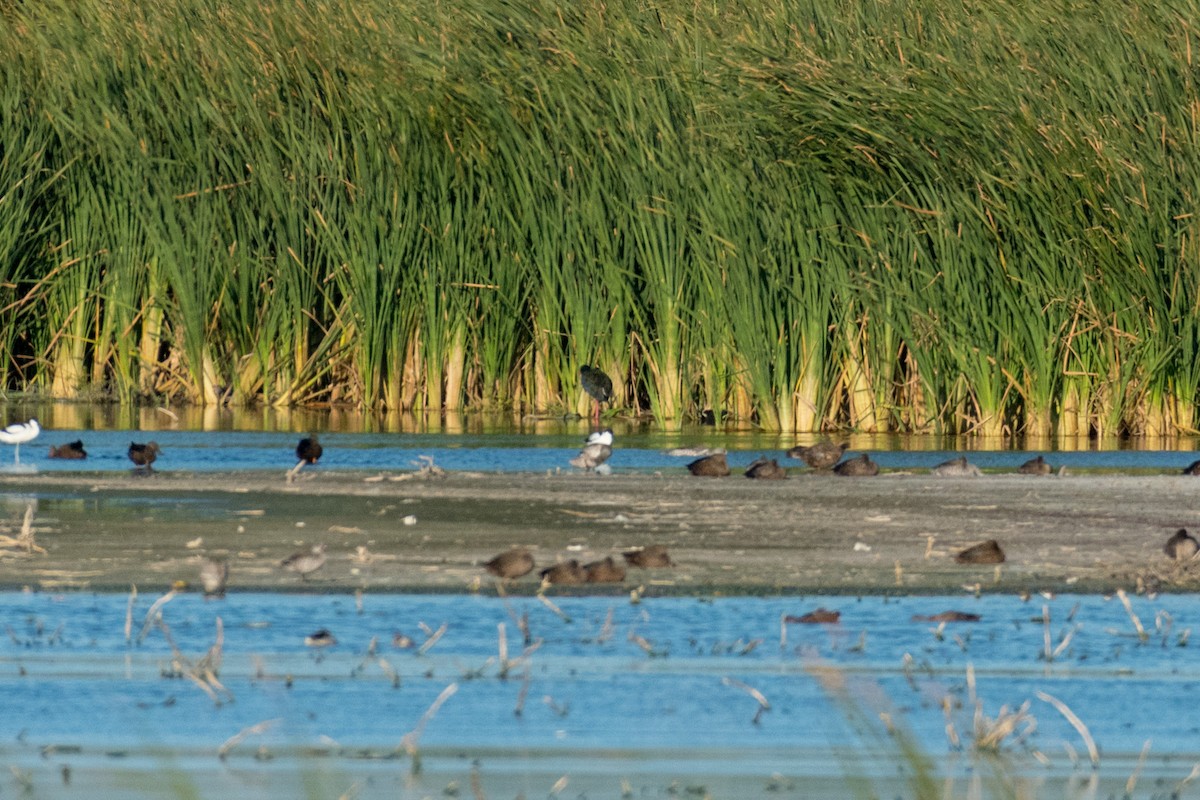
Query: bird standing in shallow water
144, 455
510, 564
69, 450
597, 384
308, 451
821, 455
596, 451
18, 433
713, 466
305, 562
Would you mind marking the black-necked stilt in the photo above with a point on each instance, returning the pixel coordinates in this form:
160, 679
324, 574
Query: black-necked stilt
596, 451
18, 433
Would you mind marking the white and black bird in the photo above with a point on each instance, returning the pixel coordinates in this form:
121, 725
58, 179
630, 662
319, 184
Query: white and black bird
18, 433
596, 451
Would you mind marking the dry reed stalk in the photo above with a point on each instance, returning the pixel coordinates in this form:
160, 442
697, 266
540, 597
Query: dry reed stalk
1077, 723
1131, 784
763, 705
1137, 623
411, 739
153, 614
129, 612
550, 605
434, 636
240, 736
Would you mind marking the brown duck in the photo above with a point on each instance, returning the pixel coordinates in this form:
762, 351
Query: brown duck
1182, 546
651, 556
1192, 468
604, 571
766, 470
713, 466
565, 573
820, 616
821, 455
510, 564
305, 562
69, 450
988, 552
859, 467
1035, 466
144, 455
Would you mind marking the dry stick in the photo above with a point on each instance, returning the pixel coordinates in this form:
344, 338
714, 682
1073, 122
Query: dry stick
129, 612
410, 739
1191, 776
763, 705
523, 694
783, 631
294, 471
607, 630
1137, 623
236, 739
432, 640
550, 605
154, 609
1047, 653
1076, 722
1131, 784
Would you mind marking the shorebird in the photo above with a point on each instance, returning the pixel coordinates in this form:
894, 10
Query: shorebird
859, 467
510, 564
69, 450
596, 451
597, 384
214, 574
305, 562
18, 433
308, 451
714, 466
565, 572
604, 571
649, 557
1035, 466
766, 469
955, 467
1192, 468
821, 455
321, 638
143, 455
988, 552
1182, 546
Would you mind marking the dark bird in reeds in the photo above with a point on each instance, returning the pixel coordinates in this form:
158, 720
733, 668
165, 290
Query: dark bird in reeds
305, 562
309, 450
822, 455
820, 616
143, 456
713, 466
565, 573
955, 467
988, 552
947, 616
652, 556
214, 575
598, 386
1182, 546
596, 451
606, 570
511, 564
1192, 468
73, 450
859, 467
321, 638
1035, 466
766, 469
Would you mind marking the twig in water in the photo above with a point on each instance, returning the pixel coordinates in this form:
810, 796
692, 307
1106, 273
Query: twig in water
607, 630
550, 605
1191, 776
523, 694
1137, 623
1076, 722
411, 739
432, 640
783, 631
236, 739
1131, 784
763, 705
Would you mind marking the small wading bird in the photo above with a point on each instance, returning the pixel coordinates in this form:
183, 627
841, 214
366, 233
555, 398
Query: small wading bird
510, 564
1035, 466
309, 451
861, 467
821, 455
144, 455
1182, 546
18, 433
596, 451
714, 466
69, 450
955, 467
598, 385
305, 562
766, 469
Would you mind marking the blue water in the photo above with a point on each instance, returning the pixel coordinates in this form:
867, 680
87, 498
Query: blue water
69, 676
225, 451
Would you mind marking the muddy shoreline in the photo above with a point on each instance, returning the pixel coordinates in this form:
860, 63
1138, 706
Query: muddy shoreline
408, 532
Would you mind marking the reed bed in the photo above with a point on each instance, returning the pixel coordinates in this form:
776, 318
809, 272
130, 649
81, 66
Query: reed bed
953, 218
